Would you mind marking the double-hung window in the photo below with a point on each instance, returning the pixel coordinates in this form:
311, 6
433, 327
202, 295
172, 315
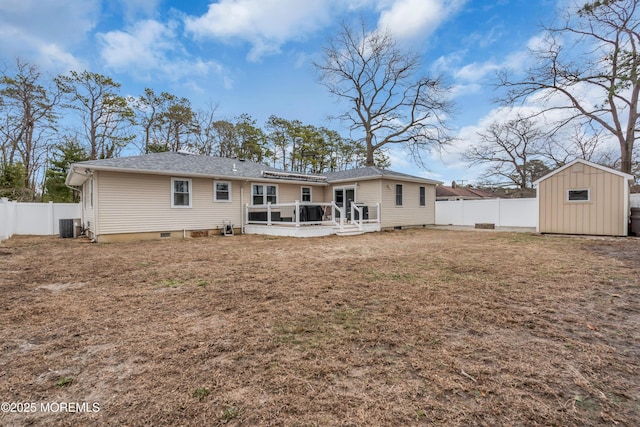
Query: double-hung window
398, 194
261, 194
180, 193
423, 196
306, 194
222, 191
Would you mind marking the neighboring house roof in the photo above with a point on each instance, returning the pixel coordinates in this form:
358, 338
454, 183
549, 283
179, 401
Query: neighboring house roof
185, 164
374, 172
588, 163
463, 192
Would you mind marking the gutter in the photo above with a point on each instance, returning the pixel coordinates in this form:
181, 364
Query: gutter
202, 175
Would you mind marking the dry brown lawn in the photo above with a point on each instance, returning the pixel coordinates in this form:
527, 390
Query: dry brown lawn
413, 327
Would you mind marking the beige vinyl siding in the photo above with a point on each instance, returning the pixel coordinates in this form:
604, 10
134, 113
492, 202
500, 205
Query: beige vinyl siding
367, 192
603, 214
383, 191
134, 203
288, 193
410, 213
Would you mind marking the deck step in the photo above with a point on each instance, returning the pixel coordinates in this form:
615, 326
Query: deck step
349, 230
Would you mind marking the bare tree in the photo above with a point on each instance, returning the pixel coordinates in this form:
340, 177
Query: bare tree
29, 117
388, 101
148, 112
602, 57
204, 141
509, 151
578, 142
105, 114
177, 124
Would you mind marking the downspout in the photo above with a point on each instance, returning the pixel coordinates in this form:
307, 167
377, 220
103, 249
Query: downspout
627, 206
538, 208
242, 218
90, 174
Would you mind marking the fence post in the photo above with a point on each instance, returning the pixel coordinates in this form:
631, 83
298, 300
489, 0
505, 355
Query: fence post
52, 227
4, 219
297, 212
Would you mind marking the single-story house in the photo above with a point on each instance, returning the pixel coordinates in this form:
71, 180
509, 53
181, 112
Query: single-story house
582, 197
178, 194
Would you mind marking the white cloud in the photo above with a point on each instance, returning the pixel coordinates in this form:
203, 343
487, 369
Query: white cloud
143, 47
149, 48
268, 24
46, 31
408, 19
265, 24
475, 72
133, 9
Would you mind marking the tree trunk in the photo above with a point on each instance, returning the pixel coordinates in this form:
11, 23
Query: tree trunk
370, 150
626, 151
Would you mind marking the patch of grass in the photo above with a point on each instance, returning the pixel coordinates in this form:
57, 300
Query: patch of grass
230, 413
585, 403
201, 393
518, 237
348, 318
303, 332
202, 283
64, 382
403, 277
373, 275
146, 263
170, 283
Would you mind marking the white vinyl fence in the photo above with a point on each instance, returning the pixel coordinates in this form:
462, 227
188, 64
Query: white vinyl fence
34, 218
635, 200
501, 212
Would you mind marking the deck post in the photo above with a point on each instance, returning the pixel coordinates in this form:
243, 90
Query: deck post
268, 213
297, 212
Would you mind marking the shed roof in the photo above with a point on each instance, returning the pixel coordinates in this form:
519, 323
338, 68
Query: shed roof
588, 163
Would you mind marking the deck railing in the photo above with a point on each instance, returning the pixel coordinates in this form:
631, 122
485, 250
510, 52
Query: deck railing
308, 213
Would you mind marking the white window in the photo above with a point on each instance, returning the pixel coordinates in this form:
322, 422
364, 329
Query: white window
306, 194
398, 194
261, 194
180, 193
578, 195
221, 191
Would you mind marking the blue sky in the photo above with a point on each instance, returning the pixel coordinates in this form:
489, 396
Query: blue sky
255, 56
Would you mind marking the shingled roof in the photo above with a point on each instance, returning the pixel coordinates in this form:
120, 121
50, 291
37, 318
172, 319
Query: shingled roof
175, 163
373, 172
185, 164
463, 192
